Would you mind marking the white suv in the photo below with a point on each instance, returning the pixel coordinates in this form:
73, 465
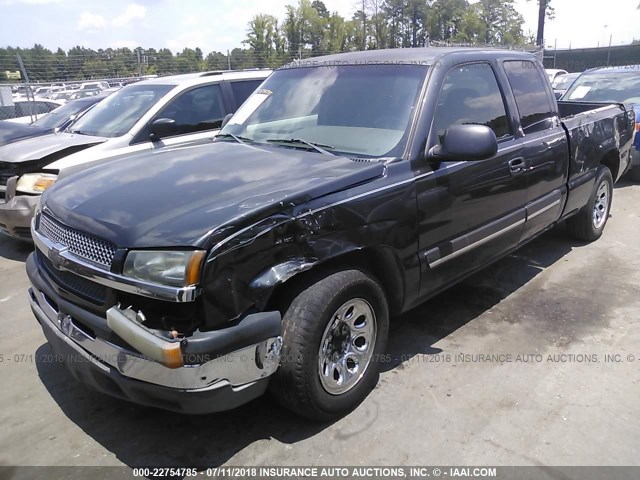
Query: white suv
146, 115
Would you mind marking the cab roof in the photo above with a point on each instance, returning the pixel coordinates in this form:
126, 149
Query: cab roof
421, 55
616, 69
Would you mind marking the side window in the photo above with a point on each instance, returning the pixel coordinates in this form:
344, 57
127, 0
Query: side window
196, 110
241, 90
531, 96
470, 96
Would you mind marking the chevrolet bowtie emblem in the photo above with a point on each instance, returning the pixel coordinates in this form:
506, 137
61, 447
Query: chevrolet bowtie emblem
55, 255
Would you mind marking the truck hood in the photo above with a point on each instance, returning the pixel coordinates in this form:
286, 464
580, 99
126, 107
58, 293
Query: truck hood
47, 148
187, 196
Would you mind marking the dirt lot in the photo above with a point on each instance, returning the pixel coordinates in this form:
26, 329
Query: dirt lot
552, 312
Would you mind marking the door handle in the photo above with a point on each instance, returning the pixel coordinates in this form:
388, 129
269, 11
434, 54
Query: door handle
517, 166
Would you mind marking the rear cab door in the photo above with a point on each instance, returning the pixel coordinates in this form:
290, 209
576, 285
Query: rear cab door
544, 140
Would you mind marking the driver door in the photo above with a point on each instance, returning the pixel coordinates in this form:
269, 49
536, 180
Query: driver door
470, 212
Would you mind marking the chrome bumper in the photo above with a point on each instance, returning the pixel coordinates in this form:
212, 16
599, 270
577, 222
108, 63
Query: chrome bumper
16, 212
237, 369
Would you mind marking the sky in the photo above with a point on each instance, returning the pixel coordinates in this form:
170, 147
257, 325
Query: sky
222, 24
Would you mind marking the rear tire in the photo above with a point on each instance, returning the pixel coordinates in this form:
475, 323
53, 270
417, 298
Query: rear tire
334, 333
588, 224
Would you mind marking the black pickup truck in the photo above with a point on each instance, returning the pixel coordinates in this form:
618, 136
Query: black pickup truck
346, 190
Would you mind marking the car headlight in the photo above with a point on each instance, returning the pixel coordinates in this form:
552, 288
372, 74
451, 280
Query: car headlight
175, 268
35, 183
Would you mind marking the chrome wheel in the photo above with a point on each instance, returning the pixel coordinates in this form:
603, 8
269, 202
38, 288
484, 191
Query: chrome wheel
347, 346
601, 205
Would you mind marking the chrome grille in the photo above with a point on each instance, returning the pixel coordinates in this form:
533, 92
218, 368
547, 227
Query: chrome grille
74, 284
4, 178
95, 250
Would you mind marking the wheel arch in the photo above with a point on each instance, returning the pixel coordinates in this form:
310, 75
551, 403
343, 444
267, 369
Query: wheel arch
611, 160
380, 262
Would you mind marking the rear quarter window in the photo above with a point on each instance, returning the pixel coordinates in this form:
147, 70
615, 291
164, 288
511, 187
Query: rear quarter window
243, 89
531, 95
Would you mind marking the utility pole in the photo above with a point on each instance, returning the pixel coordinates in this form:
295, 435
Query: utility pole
364, 28
25, 75
228, 59
609, 51
542, 12
138, 56
24, 70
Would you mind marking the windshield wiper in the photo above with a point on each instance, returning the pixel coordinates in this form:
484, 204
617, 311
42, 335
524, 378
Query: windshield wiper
237, 138
318, 147
79, 132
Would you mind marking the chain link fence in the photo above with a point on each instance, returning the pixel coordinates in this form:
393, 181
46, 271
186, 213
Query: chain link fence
32, 84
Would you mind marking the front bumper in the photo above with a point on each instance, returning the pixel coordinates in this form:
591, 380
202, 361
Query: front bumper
16, 212
233, 376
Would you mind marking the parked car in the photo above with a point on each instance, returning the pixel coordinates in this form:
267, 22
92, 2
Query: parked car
345, 190
42, 91
94, 85
562, 83
27, 111
612, 84
554, 73
142, 116
62, 95
56, 120
84, 93
22, 91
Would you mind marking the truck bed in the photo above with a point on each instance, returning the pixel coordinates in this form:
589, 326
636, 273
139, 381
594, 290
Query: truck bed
570, 109
593, 128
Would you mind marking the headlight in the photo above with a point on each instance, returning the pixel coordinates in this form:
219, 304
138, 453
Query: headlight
175, 268
35, 182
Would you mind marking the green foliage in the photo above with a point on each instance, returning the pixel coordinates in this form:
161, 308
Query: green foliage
308, 29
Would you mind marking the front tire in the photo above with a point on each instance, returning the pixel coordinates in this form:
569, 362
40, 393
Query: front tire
588, 224
635, 174
334, 333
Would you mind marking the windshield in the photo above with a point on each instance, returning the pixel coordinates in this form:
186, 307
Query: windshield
60, 115
606, 87
361, 110
118, 113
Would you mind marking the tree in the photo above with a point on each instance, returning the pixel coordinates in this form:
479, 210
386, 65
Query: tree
545, 11
263, 38
447, 18
216, 61
321, 8
501, 24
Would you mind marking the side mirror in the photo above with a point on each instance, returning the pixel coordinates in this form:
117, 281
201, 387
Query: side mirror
162, 127
465, 143
226, 119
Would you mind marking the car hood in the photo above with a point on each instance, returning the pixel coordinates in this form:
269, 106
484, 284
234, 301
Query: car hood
47, 148
11, 132
188, 196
